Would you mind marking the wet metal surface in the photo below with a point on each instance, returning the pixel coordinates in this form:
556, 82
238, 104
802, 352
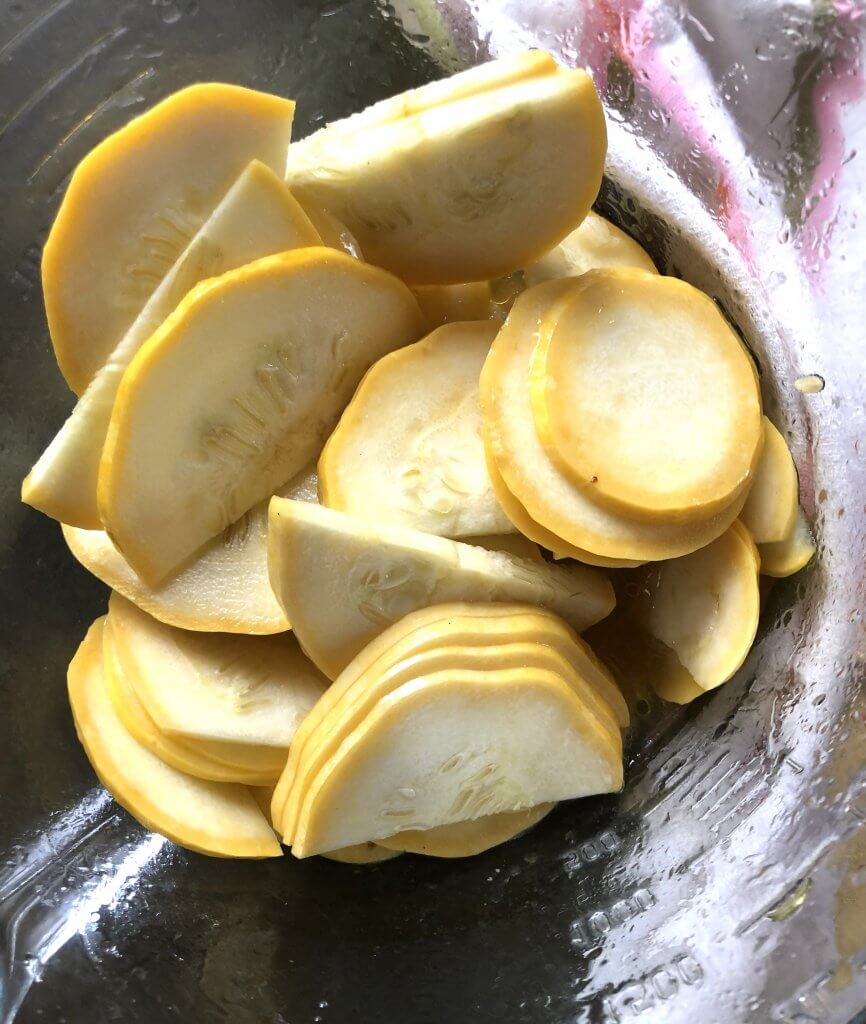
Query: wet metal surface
728, 882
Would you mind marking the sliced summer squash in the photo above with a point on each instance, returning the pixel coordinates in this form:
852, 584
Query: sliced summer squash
359, 699
595, 243
236, 392
462, 190
549, 495
528, 527
219, 819
704, 606
444, 749
408, 447
453, 624
192, 758
206, 686
643, 394
224, 588
362, 853
135, 202
333, 233
771, 507
785, 557
467, 838
452, 303
342, 581
257, 217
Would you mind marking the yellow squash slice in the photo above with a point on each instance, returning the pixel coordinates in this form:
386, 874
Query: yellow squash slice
236, 392
219, 819
134, 203
333, 233
467, 189
467, 838
257, 217
785, 557
444, 749
362, 853
342, 581
361, 698
644, 395
408, 448
452, 303
216, 763
528, 527
224, 588
595, 243
205, 686
456, 624
771, 507
549, 495
704, 606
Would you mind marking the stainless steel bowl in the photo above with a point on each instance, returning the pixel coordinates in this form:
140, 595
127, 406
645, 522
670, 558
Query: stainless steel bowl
728, 882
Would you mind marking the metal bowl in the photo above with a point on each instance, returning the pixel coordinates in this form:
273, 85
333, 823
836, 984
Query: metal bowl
727, 883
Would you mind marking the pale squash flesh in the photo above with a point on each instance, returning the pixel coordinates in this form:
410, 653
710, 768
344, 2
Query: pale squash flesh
770, 511
236, 392
452, 303
257, 217
218, 819
467, 838
788, 556
134, 203
342, 581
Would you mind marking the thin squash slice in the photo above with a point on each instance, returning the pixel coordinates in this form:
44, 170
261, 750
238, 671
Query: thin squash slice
467, 838
216, 687
704, 606
359, 700
210, 762
342, 581
547, 493
785, 557
224, 588
362, 853
456, 624
219, 819
466, 189
770, 511
595, 243
257, 217
451, 747
236, 392
135, 202
408, 447
453, 303
645, 396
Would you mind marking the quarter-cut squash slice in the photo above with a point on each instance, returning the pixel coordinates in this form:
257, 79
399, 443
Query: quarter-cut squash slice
771, 507
468, 838
224, 588
257, 217
549, 495
236, 392
408, 447
360, 699
595, 243
134, 203
445, 749
220, 819
453, 624
453, 303
704, 606
342, 581
465, 190
216, 687
643, 394
785, 557
528, 527
186, 757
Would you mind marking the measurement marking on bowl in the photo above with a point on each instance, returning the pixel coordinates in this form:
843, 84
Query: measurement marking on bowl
645, 992
589, 931
591, 851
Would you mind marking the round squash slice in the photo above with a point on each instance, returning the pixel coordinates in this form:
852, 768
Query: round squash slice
771, 507
785, 557
644, 395
549, 495
468, 838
